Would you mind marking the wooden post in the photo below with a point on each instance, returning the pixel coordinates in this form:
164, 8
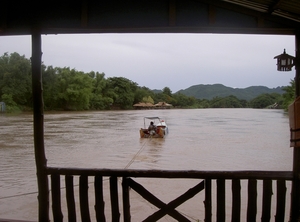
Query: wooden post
295, 200
297, 62
38, 126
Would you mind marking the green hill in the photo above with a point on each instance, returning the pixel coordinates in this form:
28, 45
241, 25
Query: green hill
218, 90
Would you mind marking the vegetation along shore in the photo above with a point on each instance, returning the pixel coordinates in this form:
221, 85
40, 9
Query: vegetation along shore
69, 89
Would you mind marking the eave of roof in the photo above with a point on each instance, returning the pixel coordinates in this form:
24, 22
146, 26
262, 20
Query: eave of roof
156, 16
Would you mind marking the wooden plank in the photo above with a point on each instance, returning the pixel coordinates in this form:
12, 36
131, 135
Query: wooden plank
70, 198
56, 198
281, 199
207, 202
236, 201
115, 213
252, 201
84, 200
158, 203
126, 200
221, 200
99, 200
267, 197
170, 207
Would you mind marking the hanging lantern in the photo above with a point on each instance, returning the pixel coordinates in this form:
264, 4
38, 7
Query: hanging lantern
285, 62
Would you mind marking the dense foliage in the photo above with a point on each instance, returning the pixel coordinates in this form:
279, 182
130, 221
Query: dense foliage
69, 89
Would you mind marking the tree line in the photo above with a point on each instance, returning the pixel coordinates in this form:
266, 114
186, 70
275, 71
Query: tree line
69, 89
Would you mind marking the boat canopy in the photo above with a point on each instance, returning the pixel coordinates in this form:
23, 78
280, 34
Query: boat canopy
152, 117
161, 121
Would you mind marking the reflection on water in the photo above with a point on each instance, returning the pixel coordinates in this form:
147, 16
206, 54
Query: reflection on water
202, 139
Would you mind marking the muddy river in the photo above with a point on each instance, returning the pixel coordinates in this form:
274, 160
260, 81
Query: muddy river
198, 139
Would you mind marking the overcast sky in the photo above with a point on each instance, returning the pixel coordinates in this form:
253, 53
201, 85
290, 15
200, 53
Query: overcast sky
177, 61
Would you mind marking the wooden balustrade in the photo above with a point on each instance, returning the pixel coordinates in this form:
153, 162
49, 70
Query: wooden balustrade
205, 184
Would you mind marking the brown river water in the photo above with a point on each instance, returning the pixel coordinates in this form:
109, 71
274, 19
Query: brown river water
198, 139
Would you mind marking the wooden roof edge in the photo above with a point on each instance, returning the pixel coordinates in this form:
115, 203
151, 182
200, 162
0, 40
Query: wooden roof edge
167, 30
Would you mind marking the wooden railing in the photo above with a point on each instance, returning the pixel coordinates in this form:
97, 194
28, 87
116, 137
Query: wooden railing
205, 178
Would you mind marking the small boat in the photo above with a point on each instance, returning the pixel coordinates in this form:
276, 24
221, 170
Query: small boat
161, 128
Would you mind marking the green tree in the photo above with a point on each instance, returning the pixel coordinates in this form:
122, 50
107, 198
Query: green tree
203, 103
181, 100
142, 92
265, 100
11, 106
167, 91
75, 89
122, 91
51, 88
289, 95
165, 96
226, 102
148, 99
15, 78
100, 99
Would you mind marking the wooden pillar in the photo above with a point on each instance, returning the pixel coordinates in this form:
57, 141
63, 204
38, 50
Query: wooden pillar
38, 126
295, 200
297, 63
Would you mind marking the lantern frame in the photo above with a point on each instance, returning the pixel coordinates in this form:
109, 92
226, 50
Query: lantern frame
285, 62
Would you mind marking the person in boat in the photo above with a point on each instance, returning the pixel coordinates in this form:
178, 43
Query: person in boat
152, 128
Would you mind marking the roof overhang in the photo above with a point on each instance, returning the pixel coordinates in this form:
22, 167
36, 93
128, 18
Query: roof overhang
154, 16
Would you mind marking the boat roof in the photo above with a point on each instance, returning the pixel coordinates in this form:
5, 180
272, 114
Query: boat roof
152, 117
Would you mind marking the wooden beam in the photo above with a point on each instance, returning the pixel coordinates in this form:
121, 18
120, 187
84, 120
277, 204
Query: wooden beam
207, 201
172, 13
295, 197
38, 125
3, 15
259, 175
99, 200
273, 6
115, 211
252, 200
69, 181
297, 62
84, 198
84, 14
280, 200
211, 15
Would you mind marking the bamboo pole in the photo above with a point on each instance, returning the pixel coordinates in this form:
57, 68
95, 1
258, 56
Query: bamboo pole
38, 126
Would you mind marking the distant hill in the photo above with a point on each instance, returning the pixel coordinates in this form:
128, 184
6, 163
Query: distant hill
218, 90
